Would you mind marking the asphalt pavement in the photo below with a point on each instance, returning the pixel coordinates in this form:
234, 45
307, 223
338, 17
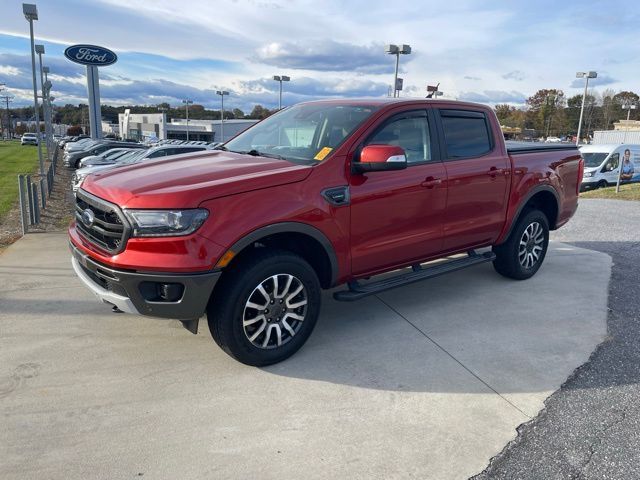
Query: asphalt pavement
590, 428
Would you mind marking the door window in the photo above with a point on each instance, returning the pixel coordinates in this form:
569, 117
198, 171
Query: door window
409, 132
612, 163
466, 133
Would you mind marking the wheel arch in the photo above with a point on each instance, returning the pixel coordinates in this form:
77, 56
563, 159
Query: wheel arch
544, 198
300, 238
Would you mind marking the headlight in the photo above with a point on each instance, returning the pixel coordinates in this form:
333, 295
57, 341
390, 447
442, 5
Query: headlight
589, 174
165, 223
79, 177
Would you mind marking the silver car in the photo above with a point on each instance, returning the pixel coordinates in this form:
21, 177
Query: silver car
131, 158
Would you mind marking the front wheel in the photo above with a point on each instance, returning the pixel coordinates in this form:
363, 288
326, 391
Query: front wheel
266, 307
522, 254
603, 184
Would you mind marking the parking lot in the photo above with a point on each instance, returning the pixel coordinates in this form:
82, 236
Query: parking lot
427, 381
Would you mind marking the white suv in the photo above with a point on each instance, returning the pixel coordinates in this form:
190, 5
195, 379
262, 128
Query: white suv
29, 139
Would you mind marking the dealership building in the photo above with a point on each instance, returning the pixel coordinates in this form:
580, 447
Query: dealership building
146, 126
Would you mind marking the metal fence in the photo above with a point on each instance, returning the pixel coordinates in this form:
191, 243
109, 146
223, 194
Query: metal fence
34, 192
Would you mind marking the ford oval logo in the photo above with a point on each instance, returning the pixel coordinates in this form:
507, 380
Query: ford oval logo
87, 218
90, 55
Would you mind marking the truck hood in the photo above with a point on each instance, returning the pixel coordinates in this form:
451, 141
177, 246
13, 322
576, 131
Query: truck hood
187, 180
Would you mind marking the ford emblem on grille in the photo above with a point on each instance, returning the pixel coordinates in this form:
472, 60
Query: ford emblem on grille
88, 218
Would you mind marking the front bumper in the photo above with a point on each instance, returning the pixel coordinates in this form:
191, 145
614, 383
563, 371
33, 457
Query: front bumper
135, 292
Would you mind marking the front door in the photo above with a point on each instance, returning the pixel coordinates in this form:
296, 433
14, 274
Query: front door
397, 216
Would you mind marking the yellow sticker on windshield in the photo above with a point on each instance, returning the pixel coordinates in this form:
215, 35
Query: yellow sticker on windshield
323, 153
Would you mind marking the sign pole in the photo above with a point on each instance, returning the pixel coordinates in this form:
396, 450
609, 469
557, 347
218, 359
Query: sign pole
95, 116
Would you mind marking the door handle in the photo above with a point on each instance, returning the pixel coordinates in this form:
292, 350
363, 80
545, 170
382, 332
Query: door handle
495, 171
431, 182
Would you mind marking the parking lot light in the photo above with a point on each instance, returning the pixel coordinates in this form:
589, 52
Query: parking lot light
397, 50
222, 93
30, 12
587, 76
280, 79
187, 102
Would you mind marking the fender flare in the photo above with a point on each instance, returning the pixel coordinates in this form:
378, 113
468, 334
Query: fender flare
291, 227
534, 191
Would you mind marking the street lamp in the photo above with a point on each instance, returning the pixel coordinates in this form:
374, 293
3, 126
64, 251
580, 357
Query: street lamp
187, 102
222, 93
44, 94
280, 78
626, 106
397, 50
49, 119
587, 76
30, 12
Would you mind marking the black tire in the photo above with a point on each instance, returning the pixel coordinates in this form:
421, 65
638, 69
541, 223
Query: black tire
509, 261
228, 307
603, 184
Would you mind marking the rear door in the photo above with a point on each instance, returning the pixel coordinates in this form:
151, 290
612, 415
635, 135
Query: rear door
478, 175
397, 216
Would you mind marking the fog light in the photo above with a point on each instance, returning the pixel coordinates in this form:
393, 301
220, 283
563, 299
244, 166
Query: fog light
170, 292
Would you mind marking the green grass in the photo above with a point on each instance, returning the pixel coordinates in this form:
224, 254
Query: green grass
630, 191
14, 159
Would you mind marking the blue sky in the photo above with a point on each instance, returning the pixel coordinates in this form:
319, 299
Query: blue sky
489, 52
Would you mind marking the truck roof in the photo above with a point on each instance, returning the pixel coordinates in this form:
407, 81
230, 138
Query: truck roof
384, 101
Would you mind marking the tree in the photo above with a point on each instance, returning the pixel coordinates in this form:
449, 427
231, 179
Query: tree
237, 113
259, 112
545, 106
20, 130
625, 98
74, 130
503, 111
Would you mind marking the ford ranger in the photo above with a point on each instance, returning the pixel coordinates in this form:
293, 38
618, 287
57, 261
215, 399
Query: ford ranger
320, 195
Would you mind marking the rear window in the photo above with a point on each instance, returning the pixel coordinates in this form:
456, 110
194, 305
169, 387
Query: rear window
466, 133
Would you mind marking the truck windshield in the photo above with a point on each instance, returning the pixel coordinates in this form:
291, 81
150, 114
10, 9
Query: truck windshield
305, 133
594, 159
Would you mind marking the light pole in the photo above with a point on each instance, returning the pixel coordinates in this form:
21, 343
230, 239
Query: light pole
44, 94
281, 78
187, 102
587, 76
397, 50
49, 119
30, 12
626, 106
222, 93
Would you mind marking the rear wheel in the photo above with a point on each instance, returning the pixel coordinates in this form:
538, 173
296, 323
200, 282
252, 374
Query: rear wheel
522, 254
266, 307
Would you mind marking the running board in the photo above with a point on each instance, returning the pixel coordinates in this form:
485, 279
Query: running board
357, 291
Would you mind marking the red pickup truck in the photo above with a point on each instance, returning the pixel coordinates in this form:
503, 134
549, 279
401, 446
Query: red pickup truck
319, 195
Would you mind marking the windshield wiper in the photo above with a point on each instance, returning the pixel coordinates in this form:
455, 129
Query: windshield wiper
221, 147
255, 153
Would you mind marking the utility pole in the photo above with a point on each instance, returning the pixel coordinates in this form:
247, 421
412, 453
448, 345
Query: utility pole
187, 102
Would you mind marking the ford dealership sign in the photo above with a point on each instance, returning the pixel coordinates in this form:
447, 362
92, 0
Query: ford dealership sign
90, 55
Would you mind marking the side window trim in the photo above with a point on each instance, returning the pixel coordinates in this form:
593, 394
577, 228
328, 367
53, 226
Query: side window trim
461, 113
425, 112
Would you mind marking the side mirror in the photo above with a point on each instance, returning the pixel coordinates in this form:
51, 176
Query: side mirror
380, 158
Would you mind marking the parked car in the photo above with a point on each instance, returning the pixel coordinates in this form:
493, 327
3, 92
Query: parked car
602, 164
107, 157
129, 159
72, 159
29, 139
553, 140
319, 195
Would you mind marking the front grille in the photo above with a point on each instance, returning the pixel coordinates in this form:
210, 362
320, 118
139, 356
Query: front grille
109, 230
